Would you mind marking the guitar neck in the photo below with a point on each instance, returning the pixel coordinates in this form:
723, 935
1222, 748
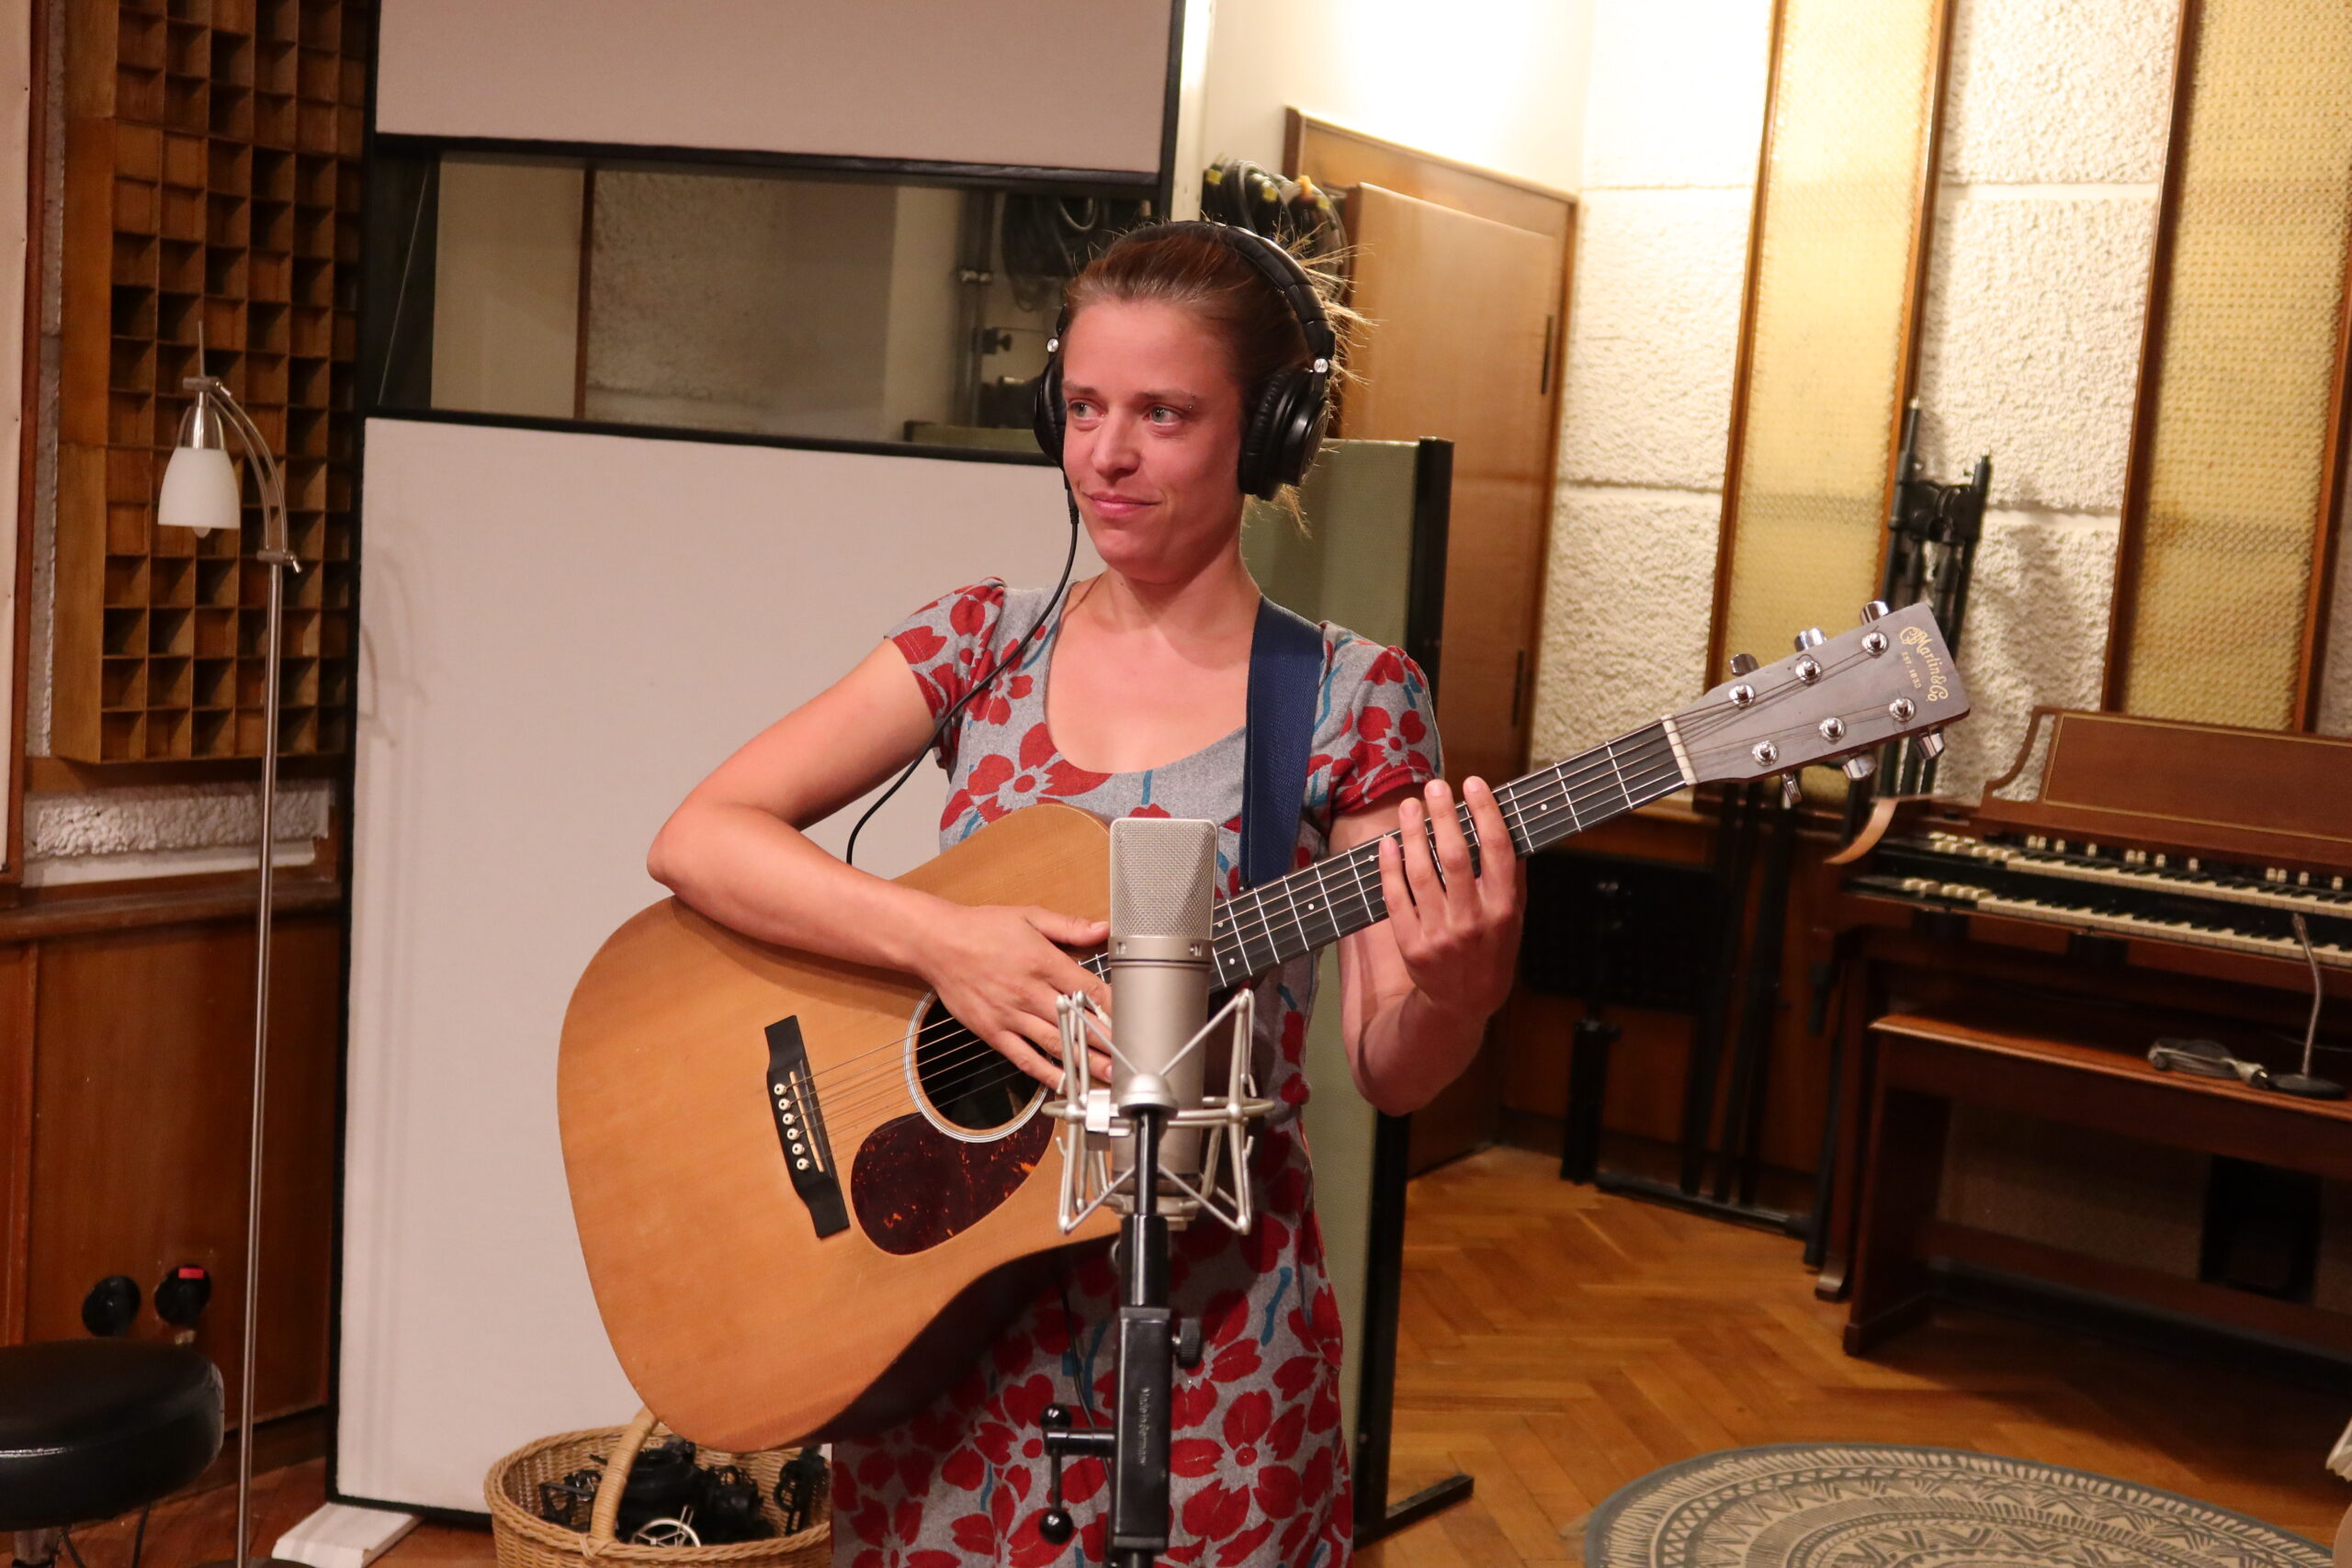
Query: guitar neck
1264, 927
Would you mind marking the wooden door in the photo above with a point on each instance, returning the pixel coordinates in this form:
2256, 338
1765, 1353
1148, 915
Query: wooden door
1462, 317
1461, 308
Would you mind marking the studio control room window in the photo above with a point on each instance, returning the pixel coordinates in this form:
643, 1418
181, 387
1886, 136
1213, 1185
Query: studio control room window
721, 298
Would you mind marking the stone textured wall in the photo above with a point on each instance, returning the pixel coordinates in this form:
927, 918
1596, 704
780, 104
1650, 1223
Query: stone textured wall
1671, 127
2056, 114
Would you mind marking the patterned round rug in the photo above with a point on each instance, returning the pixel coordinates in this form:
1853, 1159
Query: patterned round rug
1885, 1506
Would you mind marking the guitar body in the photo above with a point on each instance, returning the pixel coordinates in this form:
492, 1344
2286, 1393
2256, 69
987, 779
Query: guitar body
808, 1198
756, 1300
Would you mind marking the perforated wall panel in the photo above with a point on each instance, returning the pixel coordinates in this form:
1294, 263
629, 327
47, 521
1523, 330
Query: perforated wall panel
2231, 486
1827, 341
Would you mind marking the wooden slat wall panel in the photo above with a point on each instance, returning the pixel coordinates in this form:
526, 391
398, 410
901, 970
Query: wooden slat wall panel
1828, 329
2237, 452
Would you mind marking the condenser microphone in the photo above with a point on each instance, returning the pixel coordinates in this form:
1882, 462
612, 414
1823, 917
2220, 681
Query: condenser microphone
1162, 963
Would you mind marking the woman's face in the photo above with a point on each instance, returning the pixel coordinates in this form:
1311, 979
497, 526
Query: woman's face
1153, 440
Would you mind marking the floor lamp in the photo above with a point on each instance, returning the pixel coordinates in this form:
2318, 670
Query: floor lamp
200, 492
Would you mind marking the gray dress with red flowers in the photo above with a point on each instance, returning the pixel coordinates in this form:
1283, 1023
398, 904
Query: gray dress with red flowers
1260, 1473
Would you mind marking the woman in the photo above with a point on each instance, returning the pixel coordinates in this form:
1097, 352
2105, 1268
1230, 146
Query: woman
1130, 700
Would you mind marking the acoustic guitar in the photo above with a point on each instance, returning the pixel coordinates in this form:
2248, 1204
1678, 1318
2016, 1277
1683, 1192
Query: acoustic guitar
808, 1196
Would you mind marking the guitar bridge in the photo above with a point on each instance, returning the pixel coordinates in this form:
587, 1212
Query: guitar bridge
800, 1128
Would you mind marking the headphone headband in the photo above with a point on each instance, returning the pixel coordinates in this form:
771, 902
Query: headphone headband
1285, 420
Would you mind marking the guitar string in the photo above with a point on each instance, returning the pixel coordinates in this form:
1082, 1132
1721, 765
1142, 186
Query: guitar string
968, 1058
1649, 758
1550, 787
1647, 774
951, 1074
972, 1053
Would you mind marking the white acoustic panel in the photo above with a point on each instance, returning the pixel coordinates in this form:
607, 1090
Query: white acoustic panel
1042, 84
560, 634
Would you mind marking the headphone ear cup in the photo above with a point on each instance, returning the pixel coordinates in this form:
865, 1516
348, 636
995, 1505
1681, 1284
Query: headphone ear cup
1284, 433
1261, 440
1045, 411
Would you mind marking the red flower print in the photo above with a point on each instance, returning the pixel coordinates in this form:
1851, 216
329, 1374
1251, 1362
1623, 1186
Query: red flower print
1387, 668
1193, 1457
1246, 1421
1225, 1319
1277, 1491
1268, 1240
995, 706
965, 1467
998, 784
1282, 1438
1192, 1404
1294, 1376
874, 1471
1235, 1362
994, 1439
974, 1533
920, 645
1215, 1512
1238, 1548
969, 613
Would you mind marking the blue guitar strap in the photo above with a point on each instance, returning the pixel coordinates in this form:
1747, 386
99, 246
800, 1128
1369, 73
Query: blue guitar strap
1285, 675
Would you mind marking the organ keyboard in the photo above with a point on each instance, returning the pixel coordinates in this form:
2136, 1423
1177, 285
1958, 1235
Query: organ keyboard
2128, 880
2160, 832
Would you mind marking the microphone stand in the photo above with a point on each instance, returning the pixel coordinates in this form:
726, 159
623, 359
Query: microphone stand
1134, 1446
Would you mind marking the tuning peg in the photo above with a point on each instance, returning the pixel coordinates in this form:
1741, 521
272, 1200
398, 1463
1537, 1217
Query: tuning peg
1742, 664
1860, 766
1931, 745
1874, 609
1810, 638
1792, 793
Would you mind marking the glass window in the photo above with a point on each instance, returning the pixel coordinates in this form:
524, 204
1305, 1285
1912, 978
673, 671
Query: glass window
720, 299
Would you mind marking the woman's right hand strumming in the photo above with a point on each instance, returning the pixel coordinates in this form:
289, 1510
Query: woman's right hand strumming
998, 968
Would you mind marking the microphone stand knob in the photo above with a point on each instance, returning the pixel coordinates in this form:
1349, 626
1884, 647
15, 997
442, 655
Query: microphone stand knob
1188, 1343
1056, 1527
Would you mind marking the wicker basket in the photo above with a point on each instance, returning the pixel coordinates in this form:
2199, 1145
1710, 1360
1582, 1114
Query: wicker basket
527, 1540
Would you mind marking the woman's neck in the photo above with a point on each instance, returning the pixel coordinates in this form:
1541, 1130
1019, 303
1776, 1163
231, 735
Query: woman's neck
1216, 601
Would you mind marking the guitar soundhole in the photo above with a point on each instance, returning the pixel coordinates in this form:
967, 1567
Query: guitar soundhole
969, 1083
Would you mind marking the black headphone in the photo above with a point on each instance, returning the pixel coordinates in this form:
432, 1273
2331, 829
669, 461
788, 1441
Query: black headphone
1285, 423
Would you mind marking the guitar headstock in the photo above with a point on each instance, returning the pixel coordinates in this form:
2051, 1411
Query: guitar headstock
1835, 697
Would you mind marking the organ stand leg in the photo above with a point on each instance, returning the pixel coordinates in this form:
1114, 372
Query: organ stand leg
1892, 1282
1860, 1003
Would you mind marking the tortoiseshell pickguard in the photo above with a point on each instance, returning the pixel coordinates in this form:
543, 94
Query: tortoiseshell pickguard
913, 1186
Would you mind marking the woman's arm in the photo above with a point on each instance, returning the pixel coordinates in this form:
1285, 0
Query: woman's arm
734, 850
1417, 990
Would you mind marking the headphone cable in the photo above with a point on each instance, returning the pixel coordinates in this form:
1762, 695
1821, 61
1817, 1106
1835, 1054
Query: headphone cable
849, 854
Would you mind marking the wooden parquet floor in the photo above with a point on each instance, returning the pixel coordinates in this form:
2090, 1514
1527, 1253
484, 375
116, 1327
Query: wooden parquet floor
1557, 1343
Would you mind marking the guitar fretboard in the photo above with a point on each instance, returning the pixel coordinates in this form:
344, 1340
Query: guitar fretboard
1267, 926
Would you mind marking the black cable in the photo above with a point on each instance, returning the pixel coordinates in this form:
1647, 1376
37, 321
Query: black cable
848, 855
139, 1536
67, 1537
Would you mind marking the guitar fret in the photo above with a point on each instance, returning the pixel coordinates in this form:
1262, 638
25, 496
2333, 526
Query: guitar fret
1316, 906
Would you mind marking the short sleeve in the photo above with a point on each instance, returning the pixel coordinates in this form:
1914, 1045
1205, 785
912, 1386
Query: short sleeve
1378, 732
949, 643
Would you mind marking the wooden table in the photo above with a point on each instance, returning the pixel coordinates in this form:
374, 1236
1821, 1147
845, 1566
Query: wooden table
2007, 1060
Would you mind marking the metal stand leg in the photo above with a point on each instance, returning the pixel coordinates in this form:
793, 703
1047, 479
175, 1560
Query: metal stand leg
1587, 1089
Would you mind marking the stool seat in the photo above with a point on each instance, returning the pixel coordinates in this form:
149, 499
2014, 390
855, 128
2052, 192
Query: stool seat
90, 1428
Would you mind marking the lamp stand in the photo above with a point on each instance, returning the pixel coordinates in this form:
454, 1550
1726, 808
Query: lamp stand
276, 553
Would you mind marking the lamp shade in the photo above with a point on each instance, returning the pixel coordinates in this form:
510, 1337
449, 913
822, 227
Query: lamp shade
200, 490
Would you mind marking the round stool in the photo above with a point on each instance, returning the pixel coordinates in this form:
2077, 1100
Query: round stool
90, 1428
